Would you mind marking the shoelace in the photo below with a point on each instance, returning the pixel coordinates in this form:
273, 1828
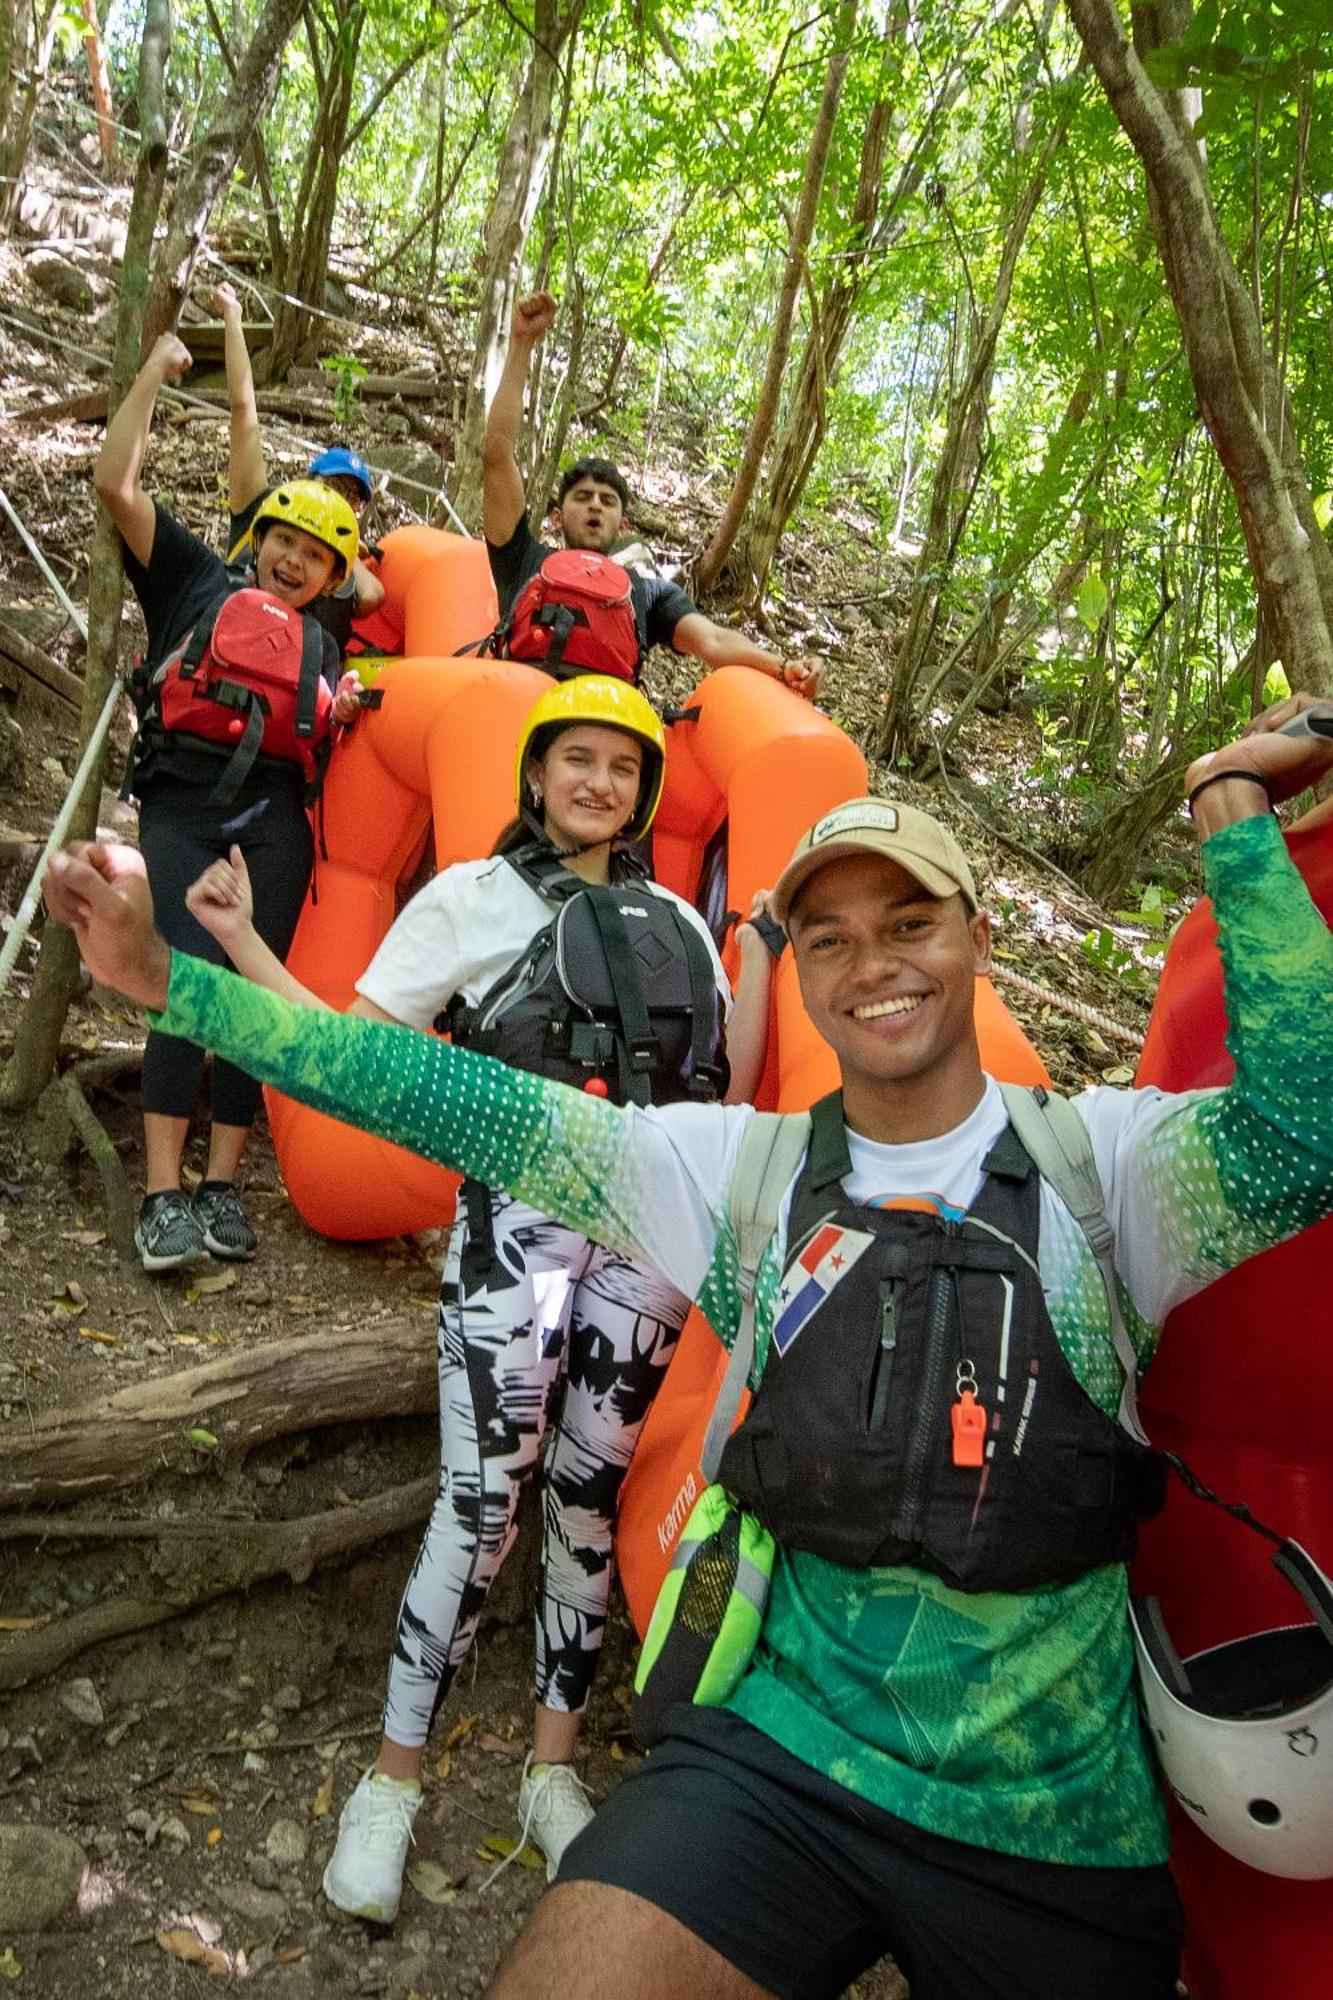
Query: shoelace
168, 1215
386, 1812
538, 1794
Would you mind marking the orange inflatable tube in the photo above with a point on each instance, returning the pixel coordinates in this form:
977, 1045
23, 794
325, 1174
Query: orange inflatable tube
1241, 1389
749, 766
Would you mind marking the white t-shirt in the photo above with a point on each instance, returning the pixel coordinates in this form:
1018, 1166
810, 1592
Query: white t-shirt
685, 1155
467, 927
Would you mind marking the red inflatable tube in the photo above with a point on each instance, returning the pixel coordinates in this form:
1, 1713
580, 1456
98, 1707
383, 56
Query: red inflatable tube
1242, 1389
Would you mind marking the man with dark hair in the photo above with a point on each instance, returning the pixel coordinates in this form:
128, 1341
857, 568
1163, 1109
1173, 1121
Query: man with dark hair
594, 468
593, 505
935, 1749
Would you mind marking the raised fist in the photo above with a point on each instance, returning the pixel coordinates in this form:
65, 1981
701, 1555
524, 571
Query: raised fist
171, 357
533, 317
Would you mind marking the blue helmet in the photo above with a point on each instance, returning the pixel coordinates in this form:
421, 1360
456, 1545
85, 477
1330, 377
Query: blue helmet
340, 463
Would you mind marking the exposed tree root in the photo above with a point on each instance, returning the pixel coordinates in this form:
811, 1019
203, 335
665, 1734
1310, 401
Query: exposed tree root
219, 1562
75, 1085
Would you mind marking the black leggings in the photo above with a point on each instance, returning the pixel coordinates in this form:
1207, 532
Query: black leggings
179, 835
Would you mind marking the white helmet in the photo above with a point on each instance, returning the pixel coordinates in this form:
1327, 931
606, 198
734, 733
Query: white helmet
1244, 1730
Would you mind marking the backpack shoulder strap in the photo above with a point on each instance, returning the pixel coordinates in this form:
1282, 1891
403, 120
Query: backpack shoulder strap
537, 863
772, 1148
311, 673
1056, 1140
708, 1072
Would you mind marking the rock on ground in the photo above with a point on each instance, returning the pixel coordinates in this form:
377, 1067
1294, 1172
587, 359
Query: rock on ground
40, 1873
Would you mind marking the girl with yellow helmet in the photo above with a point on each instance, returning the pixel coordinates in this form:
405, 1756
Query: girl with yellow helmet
305, 541
540, 1329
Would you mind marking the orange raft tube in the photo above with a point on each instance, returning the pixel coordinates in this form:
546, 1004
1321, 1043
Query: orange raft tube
749, 767
1241, 1389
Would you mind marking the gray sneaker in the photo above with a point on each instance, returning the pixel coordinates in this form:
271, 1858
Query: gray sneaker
169, 1233
226, 1227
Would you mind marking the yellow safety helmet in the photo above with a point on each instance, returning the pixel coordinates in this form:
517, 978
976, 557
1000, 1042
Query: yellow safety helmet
318, 510
615, 705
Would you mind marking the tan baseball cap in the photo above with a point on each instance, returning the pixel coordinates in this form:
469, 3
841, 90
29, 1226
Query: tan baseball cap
913, 839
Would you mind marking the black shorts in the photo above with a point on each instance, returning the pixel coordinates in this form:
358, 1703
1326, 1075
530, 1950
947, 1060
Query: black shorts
803, 1886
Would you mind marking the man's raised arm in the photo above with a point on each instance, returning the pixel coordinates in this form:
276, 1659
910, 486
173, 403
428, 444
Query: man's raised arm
503, 499
718, 646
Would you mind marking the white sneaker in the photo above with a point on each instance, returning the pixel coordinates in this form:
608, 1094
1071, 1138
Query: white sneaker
553, 1805
365, 1875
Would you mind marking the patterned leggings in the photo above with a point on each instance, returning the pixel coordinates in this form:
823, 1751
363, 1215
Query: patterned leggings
556, 1327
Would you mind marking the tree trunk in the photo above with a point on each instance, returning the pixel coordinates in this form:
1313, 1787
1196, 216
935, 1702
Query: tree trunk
1240, 396
805, 418
100, 81
213, 158
710, 565
254, 155
312, 216
22, 111
955, 474
37, 1037
621, 348
10, 56
521, 176
542, 482
266, 1392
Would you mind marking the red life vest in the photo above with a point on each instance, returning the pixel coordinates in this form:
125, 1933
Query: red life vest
246, 680
576, 615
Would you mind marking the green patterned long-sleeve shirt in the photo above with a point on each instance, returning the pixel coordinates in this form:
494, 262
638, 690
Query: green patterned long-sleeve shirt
1007, 1721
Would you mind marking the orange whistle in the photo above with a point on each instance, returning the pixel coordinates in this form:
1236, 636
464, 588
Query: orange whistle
969, 1430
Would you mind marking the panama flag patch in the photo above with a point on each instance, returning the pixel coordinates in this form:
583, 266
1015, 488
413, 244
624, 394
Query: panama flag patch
824, 1262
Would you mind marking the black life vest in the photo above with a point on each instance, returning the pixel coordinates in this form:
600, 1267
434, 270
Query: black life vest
244, 684
618, 987
890, 1326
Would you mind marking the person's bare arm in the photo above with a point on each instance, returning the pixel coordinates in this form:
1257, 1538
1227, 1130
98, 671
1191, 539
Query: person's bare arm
116, 472
1260, 769
502, 496
369, 590
718, 646
247, 474
747, 1028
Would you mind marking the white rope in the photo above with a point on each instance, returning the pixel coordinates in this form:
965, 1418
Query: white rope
80, 622
27, 909
1078, 1008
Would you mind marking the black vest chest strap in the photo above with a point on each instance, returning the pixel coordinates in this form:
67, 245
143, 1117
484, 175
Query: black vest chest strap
886, 1317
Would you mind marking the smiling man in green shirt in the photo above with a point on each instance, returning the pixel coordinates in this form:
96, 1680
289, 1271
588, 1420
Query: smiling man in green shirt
936, 1750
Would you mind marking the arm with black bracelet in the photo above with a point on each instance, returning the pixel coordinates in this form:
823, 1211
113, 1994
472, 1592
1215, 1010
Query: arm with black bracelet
1282, 752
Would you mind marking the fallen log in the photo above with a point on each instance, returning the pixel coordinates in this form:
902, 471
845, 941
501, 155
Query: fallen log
271, 1391
216, 1564
39, 666
89, 407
